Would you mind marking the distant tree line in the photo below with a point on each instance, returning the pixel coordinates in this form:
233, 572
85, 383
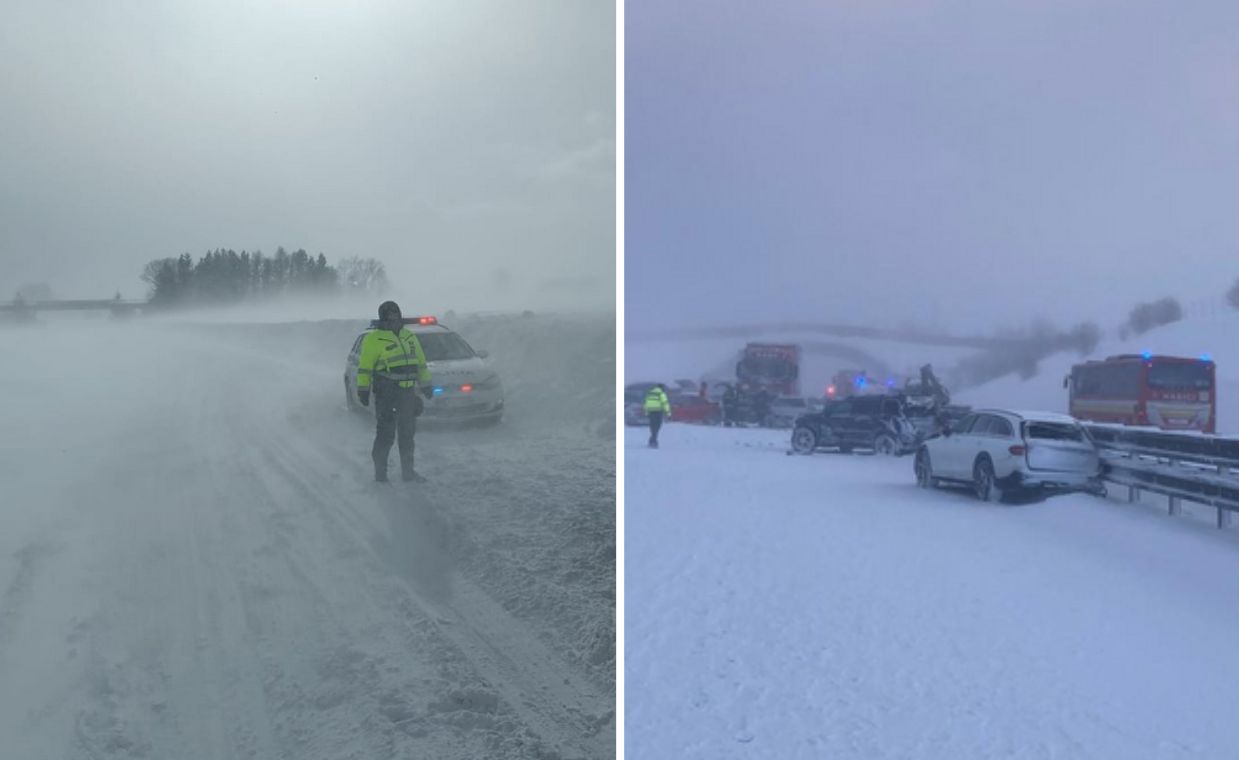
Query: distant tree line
224, 276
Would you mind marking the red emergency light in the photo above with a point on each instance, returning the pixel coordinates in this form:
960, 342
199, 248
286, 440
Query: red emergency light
409, 321
466, 388
830, 390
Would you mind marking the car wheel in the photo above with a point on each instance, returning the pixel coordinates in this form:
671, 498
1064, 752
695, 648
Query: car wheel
924, 470
804, 440
983, 482
885, 445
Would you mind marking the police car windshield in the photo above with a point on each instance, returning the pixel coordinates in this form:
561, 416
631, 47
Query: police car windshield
444, 346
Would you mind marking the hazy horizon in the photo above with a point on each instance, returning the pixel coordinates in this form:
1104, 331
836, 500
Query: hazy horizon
469, 147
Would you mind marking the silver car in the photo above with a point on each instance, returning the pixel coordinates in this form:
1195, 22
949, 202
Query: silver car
997, 452
465, 387
784, 410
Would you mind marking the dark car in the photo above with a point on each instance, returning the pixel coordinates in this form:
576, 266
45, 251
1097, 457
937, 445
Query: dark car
877, 423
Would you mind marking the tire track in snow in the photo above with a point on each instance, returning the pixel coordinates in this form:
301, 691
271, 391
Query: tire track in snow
551, 699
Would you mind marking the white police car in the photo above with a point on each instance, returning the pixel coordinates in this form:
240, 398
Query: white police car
465, 387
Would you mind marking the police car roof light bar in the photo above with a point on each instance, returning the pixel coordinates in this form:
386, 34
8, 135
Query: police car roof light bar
409, 321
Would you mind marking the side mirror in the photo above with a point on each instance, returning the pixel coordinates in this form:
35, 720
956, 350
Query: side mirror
483, 354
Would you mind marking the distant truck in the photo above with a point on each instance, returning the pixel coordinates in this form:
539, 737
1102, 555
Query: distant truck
772, 367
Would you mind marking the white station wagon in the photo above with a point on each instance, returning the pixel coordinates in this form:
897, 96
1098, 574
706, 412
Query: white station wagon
997, 452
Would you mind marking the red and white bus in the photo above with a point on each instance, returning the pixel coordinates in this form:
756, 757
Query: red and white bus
1169, 392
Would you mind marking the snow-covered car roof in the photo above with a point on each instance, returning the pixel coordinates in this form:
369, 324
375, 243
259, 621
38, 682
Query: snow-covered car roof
417, 325
1032, 416
423, 329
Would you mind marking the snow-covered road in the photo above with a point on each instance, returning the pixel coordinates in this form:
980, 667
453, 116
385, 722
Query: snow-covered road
824, 607
195, 562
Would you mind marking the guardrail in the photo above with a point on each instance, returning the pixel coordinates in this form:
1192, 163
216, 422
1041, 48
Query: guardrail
1181, 466
81, 304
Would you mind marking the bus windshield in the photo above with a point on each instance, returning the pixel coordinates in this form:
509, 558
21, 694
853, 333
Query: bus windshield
1179, 376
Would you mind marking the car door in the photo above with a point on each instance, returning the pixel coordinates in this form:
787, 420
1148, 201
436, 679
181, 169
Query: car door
954, 450
863, 422
978, 440
350, 365
833, 422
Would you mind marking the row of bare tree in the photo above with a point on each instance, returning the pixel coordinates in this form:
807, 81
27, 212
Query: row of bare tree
226, 276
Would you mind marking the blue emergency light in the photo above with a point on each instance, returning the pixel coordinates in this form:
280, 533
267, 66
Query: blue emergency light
438, 391
1146, 355
1206, 358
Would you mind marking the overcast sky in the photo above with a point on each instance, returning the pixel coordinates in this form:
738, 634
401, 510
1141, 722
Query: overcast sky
468, 144
975, 163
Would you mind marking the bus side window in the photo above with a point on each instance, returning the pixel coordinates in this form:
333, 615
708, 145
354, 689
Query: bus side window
1087, 381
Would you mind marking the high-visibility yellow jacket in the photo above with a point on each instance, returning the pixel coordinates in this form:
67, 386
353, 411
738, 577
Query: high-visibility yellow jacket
656, 401
393, 356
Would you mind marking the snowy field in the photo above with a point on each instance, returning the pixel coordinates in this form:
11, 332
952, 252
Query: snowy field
195, 562
824, 607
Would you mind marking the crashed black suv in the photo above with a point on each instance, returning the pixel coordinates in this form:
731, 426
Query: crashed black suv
877, 423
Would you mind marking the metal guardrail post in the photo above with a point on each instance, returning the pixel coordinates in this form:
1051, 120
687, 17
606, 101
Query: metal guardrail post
1175, 507
1223, 515
1133, 494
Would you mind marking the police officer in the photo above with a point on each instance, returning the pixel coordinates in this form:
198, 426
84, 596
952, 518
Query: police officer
657, 408
392, 363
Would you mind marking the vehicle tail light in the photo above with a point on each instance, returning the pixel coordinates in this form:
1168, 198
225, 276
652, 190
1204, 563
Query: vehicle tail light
1018, 451
466, 388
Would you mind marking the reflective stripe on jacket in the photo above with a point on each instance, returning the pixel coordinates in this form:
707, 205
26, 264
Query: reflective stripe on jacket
656, 401
393, 356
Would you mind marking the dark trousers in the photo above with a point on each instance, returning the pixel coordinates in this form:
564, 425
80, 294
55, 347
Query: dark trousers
656, 423
396, 409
